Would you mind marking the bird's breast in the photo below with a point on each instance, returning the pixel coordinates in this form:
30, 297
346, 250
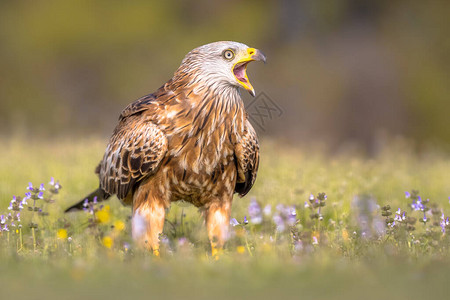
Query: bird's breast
202, 134
200, 165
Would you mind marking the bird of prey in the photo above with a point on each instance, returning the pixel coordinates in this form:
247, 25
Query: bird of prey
190, 140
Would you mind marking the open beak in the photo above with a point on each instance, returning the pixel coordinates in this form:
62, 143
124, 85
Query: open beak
240, 68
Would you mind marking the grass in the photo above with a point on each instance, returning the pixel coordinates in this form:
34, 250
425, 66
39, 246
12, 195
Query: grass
343, 256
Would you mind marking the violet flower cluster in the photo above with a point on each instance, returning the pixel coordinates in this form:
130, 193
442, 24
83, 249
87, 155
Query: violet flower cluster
18, 203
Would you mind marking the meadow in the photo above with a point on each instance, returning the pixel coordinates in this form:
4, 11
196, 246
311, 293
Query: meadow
316, 225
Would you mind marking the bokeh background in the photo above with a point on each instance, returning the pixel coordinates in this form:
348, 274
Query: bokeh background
348, 72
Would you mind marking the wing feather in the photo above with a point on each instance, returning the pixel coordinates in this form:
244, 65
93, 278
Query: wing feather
134, 152
247, 159
137, 106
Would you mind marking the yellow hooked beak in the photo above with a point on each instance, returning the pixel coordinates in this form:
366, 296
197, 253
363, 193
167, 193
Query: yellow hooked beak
240, 68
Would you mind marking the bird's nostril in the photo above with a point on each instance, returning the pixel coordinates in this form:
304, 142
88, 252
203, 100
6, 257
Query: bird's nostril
251, 52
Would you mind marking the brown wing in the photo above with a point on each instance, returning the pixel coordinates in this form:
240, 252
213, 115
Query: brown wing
247, 158
135, 151
137, 106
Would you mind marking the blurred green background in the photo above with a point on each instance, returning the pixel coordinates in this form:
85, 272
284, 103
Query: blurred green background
343, 71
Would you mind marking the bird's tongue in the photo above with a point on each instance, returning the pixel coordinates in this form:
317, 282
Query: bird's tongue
239, 72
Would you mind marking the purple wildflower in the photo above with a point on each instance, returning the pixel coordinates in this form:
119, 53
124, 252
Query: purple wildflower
444, 222
2, 219
5, 227
41, 195
267, 210
407, 195
30, 187
182, 241
290, 211
298, 246
55, 184
126, 246
285, 216
245, 220
424, 218
291, 215
399, 216
280, 207
41, 187
234, 222
164, 240
254, 211
279, 222
315, 241
418, 205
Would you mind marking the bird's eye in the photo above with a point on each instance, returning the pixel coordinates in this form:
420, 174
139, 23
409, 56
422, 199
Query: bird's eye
228, 54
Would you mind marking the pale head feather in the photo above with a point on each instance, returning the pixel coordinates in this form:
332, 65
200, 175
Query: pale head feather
207, 65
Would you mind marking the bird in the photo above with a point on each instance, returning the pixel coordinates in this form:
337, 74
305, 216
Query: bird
191, 141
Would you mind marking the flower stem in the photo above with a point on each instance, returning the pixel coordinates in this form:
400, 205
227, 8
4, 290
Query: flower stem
34, 238
246, 243
21, 239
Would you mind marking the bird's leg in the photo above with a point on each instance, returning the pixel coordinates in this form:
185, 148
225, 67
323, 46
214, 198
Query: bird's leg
147, 223
217, 223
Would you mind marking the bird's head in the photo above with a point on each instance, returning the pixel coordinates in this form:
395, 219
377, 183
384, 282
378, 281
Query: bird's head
222, 64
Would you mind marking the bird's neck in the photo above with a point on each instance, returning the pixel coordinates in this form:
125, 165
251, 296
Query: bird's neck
206, 92
201, 123
206, 106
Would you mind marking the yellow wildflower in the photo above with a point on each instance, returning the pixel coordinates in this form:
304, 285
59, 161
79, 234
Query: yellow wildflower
62, 234
119, 225
103, 214
345, 235
108, 242
240, 249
